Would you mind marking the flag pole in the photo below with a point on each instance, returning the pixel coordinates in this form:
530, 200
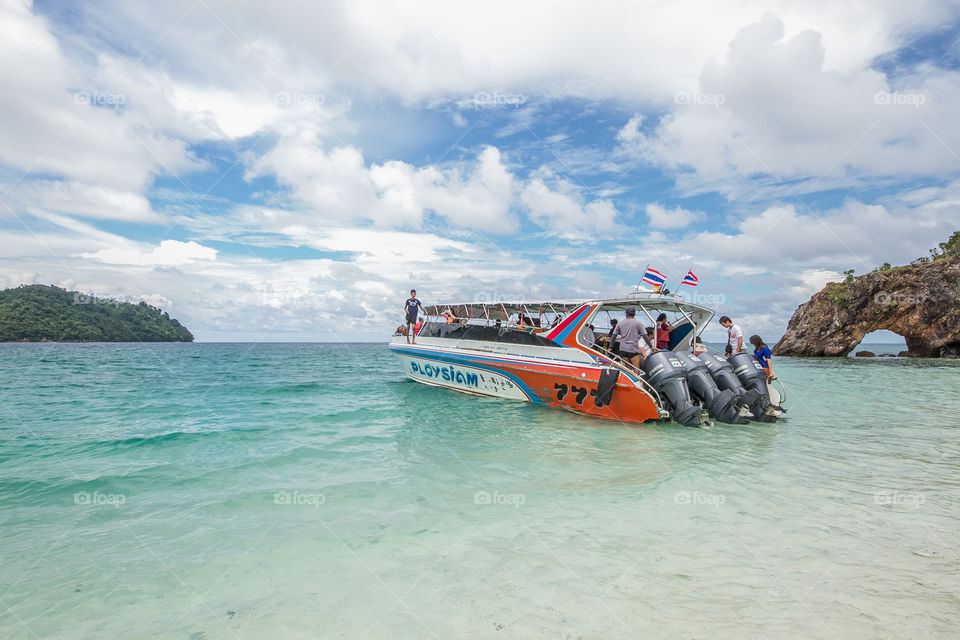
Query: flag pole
637, 290
683, 280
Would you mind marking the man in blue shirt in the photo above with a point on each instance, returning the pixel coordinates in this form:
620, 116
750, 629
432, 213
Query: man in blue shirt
411, 307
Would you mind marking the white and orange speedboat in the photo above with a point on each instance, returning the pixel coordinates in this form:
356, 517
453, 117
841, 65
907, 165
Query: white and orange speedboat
547, 353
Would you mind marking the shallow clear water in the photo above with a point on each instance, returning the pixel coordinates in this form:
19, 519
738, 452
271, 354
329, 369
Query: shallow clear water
203, 491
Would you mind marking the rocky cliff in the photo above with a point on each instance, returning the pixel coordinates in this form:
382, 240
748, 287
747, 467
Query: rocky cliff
920, 303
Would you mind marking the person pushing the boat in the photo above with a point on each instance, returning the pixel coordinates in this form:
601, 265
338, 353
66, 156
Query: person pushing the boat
632, 347
411, 307
762, 353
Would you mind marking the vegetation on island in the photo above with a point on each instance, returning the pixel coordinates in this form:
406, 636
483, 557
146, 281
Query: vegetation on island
839, 293
943, 250
42, 313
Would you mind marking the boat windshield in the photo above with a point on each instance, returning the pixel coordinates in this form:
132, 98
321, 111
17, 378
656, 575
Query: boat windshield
687, 318
672, 322
506, 333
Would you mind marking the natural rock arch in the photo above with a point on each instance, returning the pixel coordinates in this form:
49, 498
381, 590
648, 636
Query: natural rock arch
920, 303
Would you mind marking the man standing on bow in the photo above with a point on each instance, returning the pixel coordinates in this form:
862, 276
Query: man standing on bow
411, 307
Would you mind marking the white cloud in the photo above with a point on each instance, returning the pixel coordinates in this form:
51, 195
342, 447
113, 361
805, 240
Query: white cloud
560, 208
677, 218
480, 200
58, 120
90, 201
438, 48
855, 235
167, 253
338, 185
770, 108
809, 281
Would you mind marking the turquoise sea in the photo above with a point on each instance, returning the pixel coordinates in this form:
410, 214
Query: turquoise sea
207, 491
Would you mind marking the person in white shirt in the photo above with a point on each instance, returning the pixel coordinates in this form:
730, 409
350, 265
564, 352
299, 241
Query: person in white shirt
734, 335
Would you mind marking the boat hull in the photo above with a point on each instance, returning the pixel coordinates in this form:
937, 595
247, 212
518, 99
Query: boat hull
566, 385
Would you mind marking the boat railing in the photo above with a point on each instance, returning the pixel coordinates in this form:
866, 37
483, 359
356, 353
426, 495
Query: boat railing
629, 369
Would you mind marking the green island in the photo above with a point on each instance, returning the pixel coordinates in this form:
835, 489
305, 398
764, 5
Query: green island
44, 313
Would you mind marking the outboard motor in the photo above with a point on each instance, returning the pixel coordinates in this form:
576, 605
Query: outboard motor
666, 374
752, 376
723, 374
723, 405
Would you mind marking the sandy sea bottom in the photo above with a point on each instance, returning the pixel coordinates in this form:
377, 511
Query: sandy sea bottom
311, 491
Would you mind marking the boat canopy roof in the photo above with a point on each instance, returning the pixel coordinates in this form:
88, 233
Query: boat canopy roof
502, 310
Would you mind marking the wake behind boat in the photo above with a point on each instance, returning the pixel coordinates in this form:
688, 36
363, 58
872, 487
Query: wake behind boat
546, 353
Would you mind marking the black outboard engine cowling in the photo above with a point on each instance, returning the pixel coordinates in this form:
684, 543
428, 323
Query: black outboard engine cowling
722, 372
666, 374
753, 378
724, 405
726, 379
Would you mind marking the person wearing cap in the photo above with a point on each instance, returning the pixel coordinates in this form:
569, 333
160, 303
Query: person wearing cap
614, 345
633, 347
411, 307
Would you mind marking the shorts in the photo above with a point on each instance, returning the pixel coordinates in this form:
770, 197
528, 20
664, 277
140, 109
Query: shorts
626, 355
411, 318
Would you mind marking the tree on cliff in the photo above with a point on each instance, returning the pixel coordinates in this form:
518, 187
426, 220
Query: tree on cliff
39, 312
948, 249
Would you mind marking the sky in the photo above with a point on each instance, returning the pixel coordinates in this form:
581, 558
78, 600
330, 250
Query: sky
289, 171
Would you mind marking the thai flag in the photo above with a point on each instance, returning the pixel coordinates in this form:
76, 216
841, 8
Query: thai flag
654, 277
690, 279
